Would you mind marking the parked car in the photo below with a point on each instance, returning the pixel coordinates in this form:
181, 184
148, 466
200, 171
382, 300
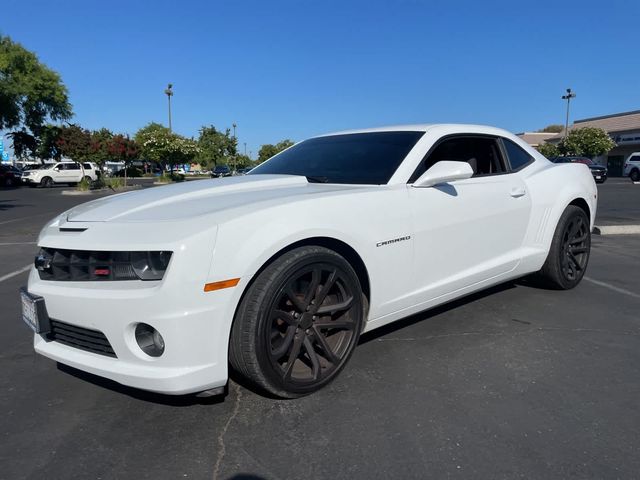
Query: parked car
50, 174
598, 171
9, 175
632, 167
244, 171
221, 171
278, 272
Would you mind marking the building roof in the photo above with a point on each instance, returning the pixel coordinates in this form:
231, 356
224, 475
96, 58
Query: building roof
536, 138
617, 122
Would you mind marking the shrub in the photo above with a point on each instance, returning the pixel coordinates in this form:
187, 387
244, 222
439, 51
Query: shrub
84, 185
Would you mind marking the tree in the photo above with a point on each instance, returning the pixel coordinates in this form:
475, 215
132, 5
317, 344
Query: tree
74, 142
587, 141
268, 150
553, 128
123, 149
145, 132
549, 150
30, 93
243, 161
168, 148
216, 147
100, 146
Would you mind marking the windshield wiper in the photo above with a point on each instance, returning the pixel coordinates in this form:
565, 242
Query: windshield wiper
316, 179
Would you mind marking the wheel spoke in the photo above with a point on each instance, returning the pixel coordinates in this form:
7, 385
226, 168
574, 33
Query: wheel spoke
282, 315
341, 324
578, 249
324, 291
295, 300
278, 352
579, 239
327, 352
316, 276
336, 307
293, 355
313, 356
574, 261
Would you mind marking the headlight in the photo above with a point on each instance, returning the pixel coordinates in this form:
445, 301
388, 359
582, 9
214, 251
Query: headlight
150, 265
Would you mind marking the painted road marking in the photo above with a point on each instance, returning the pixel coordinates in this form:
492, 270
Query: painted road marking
612, 287
17, 272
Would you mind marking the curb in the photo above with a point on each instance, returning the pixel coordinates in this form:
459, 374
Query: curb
617, 230
101, 190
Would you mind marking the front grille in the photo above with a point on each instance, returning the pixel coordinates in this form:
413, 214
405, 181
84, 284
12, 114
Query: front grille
79, 337
83, 265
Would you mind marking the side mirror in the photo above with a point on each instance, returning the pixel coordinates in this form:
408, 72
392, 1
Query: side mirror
444, 171
56, 169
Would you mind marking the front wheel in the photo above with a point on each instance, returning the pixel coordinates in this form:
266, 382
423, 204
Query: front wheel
570, 248
635, 175
46, 182
298, 323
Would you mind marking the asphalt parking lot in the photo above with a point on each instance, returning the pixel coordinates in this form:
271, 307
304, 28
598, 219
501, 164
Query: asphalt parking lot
515, 382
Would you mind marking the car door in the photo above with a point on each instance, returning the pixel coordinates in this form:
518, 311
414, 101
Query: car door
471, 230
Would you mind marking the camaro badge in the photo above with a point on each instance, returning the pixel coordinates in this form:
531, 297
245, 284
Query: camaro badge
395, 240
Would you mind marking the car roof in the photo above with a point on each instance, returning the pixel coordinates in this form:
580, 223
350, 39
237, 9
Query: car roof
424, 127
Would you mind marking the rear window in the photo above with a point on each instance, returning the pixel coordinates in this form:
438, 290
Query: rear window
518, 158
360, 158
87, 166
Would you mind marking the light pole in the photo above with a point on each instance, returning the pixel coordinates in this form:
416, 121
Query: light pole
169, 93
235, 141
568, 98
245, 149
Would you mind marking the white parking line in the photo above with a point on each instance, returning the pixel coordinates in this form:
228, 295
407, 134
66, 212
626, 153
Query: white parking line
612, 287
13, 274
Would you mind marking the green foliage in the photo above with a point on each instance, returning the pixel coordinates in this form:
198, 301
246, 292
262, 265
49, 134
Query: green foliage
216, 147
99, 146
74, 142
41, 144
587, 141
553, 128
548, 150
84, 185
167, 177
30, 92
267, 151
158, 144
114, 182
243, 161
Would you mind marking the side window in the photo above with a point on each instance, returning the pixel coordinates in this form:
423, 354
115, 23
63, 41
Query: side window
481, 152
59, 166
72, 166
518, 158
87, 166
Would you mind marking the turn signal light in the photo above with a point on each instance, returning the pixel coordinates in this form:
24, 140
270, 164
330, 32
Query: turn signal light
210, 287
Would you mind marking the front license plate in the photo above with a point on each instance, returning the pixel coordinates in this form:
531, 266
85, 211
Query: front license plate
34, 312
598, 177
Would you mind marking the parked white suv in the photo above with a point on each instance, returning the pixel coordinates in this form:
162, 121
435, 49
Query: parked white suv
632, 167
62, 172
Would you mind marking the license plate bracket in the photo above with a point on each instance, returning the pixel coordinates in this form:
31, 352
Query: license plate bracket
34, 312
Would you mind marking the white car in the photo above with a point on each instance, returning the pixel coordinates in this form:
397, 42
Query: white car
279, 271
50, 174
632, 167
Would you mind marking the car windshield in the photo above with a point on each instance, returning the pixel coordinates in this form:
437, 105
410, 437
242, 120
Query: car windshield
358, 158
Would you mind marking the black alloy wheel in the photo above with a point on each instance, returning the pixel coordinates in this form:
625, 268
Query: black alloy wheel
46, 182
570, 248
299, 322
635, 175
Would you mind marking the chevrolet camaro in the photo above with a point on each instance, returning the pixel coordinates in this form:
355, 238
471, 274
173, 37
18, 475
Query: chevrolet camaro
277, 273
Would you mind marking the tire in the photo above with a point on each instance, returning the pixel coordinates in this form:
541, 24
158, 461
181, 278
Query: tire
298, 322
46, 182
569, 253
635, 175
8, 182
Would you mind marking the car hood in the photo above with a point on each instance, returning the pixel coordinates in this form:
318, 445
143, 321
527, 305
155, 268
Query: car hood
197, 198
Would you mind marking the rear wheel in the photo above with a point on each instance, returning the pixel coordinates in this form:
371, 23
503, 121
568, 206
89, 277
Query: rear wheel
46, 182
635, 175
569, 253
298, 323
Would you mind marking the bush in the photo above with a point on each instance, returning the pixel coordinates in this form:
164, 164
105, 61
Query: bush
114, 182
84, 185
170, 177
131, 172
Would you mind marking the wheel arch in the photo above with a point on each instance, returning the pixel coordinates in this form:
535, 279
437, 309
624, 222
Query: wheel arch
581, 203
338, 246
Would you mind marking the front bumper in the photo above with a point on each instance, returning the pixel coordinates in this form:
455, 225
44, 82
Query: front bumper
195, 332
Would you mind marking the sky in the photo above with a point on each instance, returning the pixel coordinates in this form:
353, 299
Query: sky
294, 69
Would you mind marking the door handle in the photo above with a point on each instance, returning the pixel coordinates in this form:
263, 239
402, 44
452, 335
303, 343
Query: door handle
518, 192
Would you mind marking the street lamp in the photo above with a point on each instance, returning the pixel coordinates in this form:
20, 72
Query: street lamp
568, 98
235, 140
169, 93
245, 149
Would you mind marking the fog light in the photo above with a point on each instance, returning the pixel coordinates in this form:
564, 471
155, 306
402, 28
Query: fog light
149, 340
